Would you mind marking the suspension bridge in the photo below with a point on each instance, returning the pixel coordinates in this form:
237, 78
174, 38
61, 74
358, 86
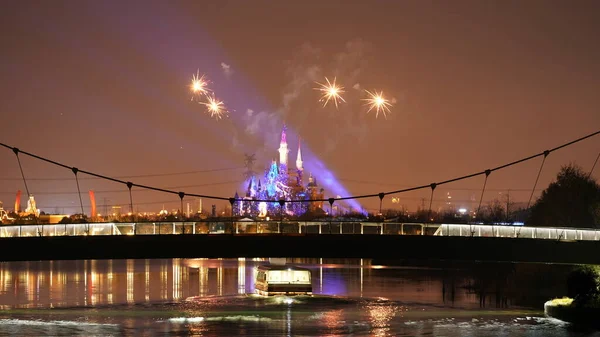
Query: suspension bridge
299, 239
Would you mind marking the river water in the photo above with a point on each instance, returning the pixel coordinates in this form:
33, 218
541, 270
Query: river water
202, 297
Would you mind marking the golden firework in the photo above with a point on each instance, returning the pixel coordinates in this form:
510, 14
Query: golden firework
378, 102
215, 107
199, 84
330, 91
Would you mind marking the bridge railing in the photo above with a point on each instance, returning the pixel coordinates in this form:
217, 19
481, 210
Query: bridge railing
550, 233
218, 227
298, 228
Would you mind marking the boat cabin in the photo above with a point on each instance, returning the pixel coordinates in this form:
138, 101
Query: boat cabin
282, 280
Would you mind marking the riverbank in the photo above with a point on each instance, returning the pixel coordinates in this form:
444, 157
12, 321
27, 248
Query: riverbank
565, 310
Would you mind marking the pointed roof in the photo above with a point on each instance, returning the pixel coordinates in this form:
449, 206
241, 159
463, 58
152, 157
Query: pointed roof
283, 137
299, 157
237, 196
311, 181
274, 167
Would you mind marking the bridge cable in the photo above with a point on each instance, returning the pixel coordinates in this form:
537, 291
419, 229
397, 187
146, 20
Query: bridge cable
281, 204
17, 151
545, 154
129, 186
594, 166
133, 176
590, 175
432, 185
181, 196
75, 171
487, 174
331, 201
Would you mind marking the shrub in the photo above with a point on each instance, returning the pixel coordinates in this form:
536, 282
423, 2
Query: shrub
583, 285
565, 301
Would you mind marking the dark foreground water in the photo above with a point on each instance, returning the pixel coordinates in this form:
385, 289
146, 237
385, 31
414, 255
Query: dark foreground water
199, 297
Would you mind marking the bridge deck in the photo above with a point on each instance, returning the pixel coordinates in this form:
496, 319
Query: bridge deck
272, 227
386, 247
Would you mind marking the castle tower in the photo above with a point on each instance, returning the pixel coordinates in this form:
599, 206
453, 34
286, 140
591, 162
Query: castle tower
283, 148
299, 158
236, 208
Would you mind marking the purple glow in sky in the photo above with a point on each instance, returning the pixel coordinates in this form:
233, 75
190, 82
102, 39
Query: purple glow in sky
104, 86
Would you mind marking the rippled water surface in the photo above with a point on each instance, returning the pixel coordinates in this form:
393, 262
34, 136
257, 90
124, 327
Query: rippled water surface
199, 297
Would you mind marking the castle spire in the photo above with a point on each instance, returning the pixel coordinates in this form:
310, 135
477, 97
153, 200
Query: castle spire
299, 157
283, 148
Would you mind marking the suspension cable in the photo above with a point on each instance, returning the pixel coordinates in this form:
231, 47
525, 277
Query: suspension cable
544, 153
538, 177
75, 170
487, 174
129, 186
594, 166
16, 151
433, 186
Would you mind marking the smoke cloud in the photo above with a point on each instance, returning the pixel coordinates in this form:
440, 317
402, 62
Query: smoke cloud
301, 109
300, 105
226, 69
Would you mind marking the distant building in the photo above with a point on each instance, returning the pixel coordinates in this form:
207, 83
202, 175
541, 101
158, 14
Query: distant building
31, 207
51, 218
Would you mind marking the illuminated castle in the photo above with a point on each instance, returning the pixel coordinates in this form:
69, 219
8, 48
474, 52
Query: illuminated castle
281, 182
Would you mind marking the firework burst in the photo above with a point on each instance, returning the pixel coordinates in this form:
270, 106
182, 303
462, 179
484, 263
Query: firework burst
199, 85
330, 91
378, 102
215, 107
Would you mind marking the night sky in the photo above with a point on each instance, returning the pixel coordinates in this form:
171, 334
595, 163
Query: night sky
104, 86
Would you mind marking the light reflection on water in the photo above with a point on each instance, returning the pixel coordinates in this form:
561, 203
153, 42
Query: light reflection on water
143, 297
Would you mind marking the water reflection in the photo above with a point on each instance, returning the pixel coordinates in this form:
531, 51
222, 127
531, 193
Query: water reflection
109, 282
130, 271
241, 276
176, 279
147, 297
147, 277
332, 319
101, 282
381, 313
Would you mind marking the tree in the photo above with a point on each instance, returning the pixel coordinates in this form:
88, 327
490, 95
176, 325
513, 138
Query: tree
494, 212
570, 201
65, 220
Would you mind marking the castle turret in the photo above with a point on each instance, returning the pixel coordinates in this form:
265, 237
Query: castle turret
236, 207
299, 158
283, 148
250, 186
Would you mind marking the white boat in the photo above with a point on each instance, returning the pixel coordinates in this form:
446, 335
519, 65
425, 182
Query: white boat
282, 280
